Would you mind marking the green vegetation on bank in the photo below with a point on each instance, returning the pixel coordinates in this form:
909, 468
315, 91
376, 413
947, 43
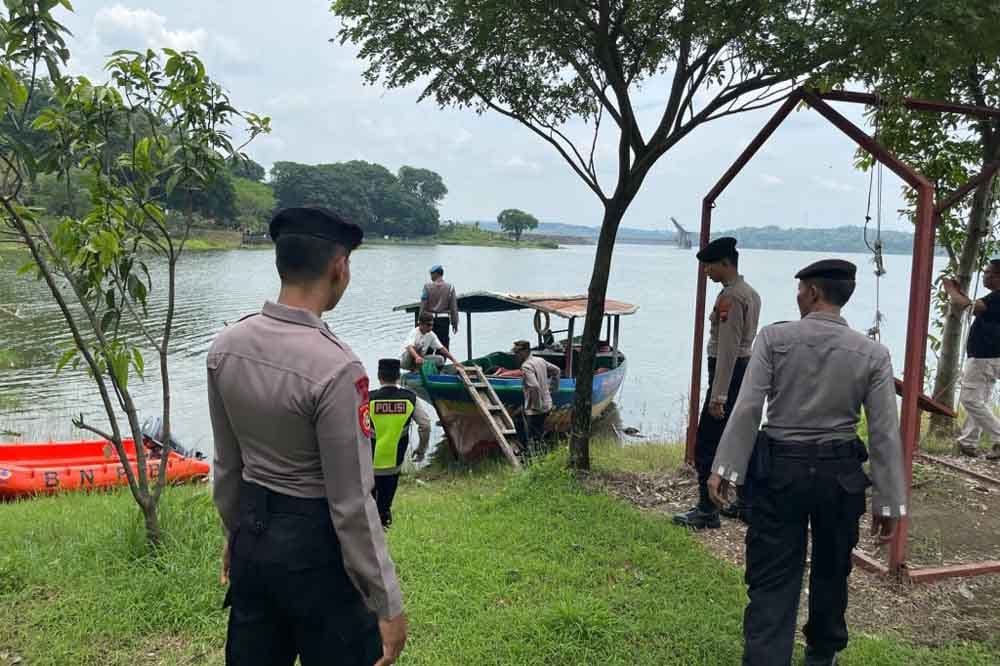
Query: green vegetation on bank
496, 568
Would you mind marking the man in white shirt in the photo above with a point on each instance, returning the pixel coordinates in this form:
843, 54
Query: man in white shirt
424, 343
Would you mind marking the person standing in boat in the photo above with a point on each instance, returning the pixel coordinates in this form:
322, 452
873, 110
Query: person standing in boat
538, 376
393, 409
305, 557
733, 325
423, 343
816, 374
439, 299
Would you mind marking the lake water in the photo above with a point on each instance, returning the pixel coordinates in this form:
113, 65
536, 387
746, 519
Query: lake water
220, 287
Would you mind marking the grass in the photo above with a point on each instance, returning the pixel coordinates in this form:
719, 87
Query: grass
496, 569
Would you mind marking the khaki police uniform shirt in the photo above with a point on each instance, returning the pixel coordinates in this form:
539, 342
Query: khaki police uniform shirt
816, 374
733, 325
538, 375
439, 298
289, 408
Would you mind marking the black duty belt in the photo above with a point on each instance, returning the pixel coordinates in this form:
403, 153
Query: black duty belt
829, 450
258, 503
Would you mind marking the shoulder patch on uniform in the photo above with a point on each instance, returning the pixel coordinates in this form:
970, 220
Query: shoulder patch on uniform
724, 306
364, 409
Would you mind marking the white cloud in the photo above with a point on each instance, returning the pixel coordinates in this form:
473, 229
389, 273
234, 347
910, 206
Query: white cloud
120, 23
830, 184
768, 179
518, 163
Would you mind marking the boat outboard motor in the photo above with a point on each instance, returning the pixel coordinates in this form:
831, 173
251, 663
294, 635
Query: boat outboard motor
152, 435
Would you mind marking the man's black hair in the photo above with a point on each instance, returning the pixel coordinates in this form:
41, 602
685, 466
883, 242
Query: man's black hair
303, 259
834, 292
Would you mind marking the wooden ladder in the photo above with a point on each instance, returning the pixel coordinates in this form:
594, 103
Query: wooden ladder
492, 410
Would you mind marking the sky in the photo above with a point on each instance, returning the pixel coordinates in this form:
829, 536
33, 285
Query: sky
275, 59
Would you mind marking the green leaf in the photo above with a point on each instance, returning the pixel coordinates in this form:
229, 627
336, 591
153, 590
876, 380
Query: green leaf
26, 267
138, 363
108, 320
67, 356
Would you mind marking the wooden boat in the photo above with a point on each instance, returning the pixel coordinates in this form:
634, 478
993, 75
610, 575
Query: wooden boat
42, 468
468, 433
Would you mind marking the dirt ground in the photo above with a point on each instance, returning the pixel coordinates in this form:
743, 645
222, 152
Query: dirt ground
954, 520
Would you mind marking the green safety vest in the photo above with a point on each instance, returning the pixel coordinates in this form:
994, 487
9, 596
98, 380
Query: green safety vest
390, 421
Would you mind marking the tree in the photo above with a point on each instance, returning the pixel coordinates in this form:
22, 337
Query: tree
543, 63
949, 52
426, 184
255, 204
516, 222
93, 260
241, 166
366, 193
216, 202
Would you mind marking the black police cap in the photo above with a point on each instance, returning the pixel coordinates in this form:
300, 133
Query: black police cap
388, 366
829, 269
717, 250
318, 222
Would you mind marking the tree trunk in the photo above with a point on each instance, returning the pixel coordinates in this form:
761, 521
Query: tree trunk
949, 365
152, 520
579, 447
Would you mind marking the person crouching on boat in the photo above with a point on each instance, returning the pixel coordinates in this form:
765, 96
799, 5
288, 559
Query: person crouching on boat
538, 375
423, 343
393, 410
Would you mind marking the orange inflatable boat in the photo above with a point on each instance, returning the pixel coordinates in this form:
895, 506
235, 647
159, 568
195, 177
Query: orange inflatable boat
32, 469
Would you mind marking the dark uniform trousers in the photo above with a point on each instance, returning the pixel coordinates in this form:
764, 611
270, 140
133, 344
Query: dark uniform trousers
809, 486
442, 329
289, 593
710, 432
384, 492
530, 428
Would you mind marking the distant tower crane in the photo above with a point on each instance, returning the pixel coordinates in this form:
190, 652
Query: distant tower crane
683, 237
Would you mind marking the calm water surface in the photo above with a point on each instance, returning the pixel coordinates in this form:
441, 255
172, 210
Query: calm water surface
220, 287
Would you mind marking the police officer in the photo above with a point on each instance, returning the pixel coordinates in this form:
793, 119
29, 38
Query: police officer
538, 378
733, 324
305, 554
816, 373
393, 409
439, 299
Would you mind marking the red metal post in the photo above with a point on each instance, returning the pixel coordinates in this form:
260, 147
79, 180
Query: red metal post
988, 170
921, 276
872, 99
878, 151
869, 563
699, 338
706, 230
931, 574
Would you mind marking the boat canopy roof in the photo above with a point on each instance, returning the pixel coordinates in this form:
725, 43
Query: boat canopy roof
561, 305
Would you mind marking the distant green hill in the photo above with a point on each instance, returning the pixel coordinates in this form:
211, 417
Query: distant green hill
838, 239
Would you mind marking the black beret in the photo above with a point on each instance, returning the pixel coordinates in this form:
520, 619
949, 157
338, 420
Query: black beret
717, 250
829, 269
388, 366
318, 222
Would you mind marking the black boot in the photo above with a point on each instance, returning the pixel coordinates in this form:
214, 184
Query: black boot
815, 659
737, 511
704, 515
698, 519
